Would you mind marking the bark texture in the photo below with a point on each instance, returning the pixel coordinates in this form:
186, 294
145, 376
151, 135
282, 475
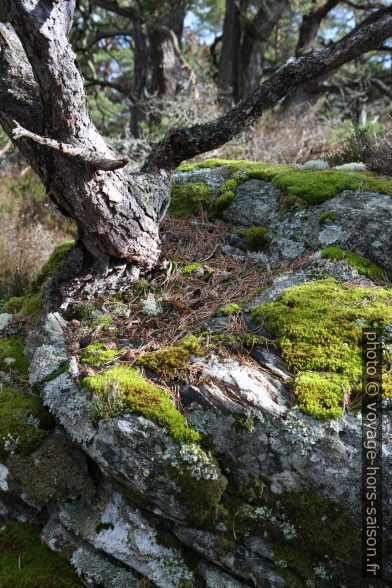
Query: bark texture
116, 213
309, 93
244, 43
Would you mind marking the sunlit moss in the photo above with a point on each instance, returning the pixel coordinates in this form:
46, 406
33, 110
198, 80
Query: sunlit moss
140, 396
318, 326
98, 354
168, 363
313, 187
189, 199
361, 264
229, 309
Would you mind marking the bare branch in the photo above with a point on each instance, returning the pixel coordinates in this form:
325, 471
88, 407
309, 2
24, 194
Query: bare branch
114, 6
91, 158
184, 143
379, 84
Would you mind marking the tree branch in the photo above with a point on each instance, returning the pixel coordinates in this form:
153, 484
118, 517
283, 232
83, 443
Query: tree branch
91, 158
113, 6
184, 143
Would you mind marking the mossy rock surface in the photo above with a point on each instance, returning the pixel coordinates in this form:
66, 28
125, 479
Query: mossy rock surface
126, 390
26, 563
361, 264
318, 327
314, 187
24, 422
12, 357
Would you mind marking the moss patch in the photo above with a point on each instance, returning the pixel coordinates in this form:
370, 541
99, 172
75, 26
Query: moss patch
24, 422
140, 396
51, 266
318, 326
98, 354
312, 186
256, 238
309, 536
190, 199
361, 264
26, 563
51, 474
30, 304
327, 217
168, 363
12, 358
229, 309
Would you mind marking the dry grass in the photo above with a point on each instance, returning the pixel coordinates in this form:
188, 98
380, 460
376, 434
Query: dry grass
30, 229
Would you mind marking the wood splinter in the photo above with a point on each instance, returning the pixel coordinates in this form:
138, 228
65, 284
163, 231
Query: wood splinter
89, 157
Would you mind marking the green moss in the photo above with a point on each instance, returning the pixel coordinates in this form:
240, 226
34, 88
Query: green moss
140, 396
327, 217
31, 306
190, 199
26, 563
361, 264
98, 354
312, 186
302, 529
202, 498
24, 422
223, 201
51, 474
168, 363
104, 322
229, 309
191, 268
59, 254
13, 305
256, 238
318, 326
12, 358
192, 344
321, 395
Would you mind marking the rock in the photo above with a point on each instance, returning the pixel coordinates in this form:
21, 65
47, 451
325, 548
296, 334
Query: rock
214, 178
256, 203
316, 164
3, 477
112, 527
246, 564
5, 319
72, 408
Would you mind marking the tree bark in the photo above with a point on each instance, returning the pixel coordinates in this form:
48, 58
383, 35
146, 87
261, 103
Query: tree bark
116, 214
308, 94
43, 109
255, 41
229, 67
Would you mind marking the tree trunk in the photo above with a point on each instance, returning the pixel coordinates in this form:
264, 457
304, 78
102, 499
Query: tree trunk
228, 77
116, 214
43, 109
254, 44
157, 65
306, 95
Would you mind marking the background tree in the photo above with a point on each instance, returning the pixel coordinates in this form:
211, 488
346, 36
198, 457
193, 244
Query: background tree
118, 214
